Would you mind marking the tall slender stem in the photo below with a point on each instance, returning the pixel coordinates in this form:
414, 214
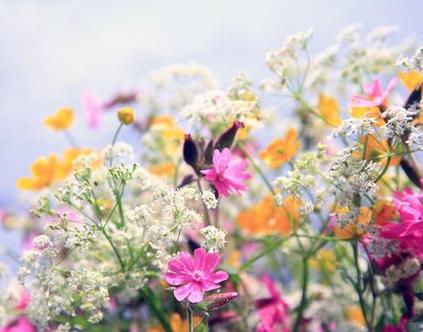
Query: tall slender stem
303, 302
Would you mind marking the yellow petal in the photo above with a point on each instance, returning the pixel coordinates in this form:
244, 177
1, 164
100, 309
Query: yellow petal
328, 108
410, 79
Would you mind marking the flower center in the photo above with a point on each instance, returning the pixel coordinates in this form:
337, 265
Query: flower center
197, 275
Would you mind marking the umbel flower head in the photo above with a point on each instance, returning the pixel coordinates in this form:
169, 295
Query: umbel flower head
227, 173
194, 275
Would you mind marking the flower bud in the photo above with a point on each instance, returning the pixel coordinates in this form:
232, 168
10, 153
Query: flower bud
216, 301
126, 115
190, 151
227, 138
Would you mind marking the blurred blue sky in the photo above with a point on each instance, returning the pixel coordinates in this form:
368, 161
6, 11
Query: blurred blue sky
51, 51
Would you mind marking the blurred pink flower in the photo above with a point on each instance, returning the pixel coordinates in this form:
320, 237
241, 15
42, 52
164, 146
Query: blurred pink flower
228, 173
24, 299
19, 325
409, 230
93, 107
375, 96
194, 275
273, 310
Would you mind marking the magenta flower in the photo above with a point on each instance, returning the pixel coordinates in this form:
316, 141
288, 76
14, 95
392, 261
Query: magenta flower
194, 275
228, 173
409, 230
19, 325
273, 310
93, 107
375, 96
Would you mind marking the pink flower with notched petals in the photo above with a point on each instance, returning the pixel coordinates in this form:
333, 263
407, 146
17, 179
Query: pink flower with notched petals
228, 173
409, 230
273, 310
194, 275
375, 96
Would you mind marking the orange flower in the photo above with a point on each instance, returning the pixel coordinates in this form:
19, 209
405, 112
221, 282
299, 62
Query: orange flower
177, 324
328, 109
355, 314
281, 149
47, 170
61, 120
384, 212
267, 218
166, 169
376, 149
354, 229
410, 78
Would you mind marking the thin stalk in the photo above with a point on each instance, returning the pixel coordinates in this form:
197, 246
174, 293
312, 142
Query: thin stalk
257, 168
206, 211
303, 302
71, 139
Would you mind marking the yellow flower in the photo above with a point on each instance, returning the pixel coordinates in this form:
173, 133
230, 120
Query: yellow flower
324, 259
169, 136
126, 115
281, 150
61, 120
47, 170
328, 109
411, 79
354, 314
371, 112
266, 218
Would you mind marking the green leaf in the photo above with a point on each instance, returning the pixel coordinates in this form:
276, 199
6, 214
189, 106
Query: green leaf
202, 327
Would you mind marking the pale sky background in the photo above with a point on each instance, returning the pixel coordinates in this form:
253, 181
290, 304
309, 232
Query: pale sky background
52, 50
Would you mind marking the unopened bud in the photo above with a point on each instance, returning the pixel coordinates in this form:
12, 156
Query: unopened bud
126, 115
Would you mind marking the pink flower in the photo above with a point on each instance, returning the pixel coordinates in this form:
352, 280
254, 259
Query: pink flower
194, 275
375, 96
19, 325
24, 300
409, 230
273, 311
93, 107
227, 173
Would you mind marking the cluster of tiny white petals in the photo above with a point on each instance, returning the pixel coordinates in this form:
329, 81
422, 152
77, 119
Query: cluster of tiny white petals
413, 62
118, 153
209, 199
214, 238
356, 127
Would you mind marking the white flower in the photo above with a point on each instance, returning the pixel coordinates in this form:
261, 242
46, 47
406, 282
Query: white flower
209, 199
214, 238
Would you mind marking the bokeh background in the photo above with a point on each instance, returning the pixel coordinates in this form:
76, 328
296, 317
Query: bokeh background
53, 50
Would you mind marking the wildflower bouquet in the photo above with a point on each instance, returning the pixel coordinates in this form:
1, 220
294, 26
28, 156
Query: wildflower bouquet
222, 217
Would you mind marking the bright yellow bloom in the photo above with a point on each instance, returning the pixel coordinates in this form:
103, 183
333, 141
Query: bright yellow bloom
267, 218
61, 120
169, 136
411, 79
126, 115
47, 170
281, 150
355, 229
328, 109
371, 112
324, 259
354, 314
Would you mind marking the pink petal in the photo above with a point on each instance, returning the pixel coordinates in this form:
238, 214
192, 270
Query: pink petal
182, 292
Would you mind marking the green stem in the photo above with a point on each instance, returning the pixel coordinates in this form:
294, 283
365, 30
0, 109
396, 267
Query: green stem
303, 302
206, 211
357, 285
190, 319
115, 136
71, 139
258, 170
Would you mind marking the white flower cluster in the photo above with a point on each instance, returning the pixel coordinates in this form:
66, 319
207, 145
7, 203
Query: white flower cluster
352, 178
118, 153
217, 108
413, 62
395, 273
214, 238
109, 226
356, 127
209, 199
